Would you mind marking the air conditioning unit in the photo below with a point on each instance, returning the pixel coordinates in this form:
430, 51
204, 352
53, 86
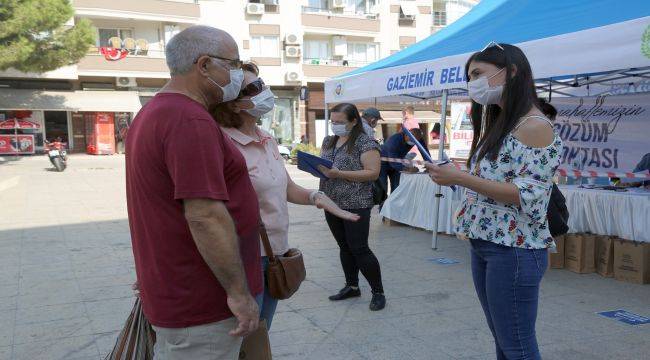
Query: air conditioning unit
292, 39
125, 82
293, 76
254, 9
338, 4
292, 51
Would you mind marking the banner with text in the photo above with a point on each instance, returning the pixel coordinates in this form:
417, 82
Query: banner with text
604, 133
461, 133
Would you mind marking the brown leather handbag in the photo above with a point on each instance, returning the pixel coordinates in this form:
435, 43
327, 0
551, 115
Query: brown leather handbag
285, 272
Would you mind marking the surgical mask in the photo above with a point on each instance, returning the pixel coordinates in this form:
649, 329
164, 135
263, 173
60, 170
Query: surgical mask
263, 103
231, 91
410, 143
369, 130
340, 129
481, 91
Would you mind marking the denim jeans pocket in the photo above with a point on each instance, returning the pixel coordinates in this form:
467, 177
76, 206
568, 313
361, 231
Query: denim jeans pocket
530, 266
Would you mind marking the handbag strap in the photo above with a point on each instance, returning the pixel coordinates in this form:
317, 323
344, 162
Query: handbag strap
266, 243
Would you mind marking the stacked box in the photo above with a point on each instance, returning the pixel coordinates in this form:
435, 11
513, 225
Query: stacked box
632, 261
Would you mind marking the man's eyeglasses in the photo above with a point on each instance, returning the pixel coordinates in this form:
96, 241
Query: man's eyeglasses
234, 63
491, 44
254, 88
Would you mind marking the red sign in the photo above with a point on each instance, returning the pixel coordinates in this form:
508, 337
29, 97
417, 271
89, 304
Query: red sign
18, 124
16, 144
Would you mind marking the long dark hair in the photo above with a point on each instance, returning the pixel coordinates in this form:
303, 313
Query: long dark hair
518, 97
351, 114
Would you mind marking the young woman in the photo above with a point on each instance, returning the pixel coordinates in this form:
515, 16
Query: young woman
266, 169
513, 158
356, 164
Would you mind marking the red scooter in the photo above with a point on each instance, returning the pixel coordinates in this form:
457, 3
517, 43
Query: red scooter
56, 152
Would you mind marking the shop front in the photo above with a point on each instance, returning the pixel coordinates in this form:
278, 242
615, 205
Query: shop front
93, 122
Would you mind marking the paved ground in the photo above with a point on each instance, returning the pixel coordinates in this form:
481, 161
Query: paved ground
67, 268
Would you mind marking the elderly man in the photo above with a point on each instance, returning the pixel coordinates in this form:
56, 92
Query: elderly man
192, 209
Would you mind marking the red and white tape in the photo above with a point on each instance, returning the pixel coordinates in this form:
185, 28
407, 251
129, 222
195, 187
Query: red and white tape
560, 171
609, 174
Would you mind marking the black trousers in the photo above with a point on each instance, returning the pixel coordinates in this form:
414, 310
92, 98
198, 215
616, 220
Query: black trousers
352, 238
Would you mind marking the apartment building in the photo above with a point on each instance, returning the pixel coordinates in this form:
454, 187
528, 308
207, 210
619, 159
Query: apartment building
298, 44
88, 104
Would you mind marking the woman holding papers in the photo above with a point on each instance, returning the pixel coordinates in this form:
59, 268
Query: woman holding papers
356, 165
513, 158
266, 169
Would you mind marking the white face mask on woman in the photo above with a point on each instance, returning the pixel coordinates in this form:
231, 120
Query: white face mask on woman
340, 129
481, 91
263, 103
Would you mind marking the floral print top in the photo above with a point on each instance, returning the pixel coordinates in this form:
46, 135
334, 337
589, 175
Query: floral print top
524, 226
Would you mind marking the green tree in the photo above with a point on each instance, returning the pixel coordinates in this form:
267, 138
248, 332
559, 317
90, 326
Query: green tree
34, 38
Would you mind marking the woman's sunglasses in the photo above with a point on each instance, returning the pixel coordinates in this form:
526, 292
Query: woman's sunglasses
253, 88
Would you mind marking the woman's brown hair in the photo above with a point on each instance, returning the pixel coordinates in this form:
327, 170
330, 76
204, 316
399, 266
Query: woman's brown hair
222, 115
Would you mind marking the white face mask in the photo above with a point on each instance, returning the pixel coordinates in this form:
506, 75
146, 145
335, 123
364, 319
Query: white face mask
340, 129
231, 91
481, 91
410, 143
370, 131
263, 102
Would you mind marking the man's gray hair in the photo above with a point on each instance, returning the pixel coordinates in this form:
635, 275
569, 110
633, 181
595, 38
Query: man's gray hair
188, 45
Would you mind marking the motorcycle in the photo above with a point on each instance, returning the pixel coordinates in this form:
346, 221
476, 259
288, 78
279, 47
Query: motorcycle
57, 154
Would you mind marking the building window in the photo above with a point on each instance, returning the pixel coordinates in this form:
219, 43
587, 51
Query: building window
316, 50
265, 46
317, 5
362, 53
170, 32
106, 34
439, 18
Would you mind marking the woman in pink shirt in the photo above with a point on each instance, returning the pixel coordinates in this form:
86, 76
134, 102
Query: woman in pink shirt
266, 169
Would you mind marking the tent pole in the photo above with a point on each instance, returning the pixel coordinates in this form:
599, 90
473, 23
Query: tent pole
327, 119
441, 150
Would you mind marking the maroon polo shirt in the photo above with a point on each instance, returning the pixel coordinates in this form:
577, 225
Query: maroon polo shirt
176, 151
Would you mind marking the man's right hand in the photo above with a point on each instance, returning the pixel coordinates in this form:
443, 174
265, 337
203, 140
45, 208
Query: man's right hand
245, 309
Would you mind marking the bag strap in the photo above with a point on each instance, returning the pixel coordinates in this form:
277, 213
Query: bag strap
267, 244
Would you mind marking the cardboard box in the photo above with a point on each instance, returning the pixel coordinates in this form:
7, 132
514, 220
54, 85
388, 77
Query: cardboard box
580, 253
632, 261
556, 260
605, 255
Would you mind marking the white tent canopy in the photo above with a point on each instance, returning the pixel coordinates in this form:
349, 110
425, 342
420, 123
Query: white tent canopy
566, 42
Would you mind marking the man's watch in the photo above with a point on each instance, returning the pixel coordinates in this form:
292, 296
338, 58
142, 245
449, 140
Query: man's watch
312, 196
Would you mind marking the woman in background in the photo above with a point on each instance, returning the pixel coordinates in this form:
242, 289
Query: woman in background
349, 183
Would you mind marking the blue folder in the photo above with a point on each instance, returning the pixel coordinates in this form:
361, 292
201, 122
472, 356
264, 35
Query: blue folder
309, 163
424, 153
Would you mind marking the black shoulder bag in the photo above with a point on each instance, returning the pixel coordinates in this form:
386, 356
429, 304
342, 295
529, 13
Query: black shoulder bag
557, 213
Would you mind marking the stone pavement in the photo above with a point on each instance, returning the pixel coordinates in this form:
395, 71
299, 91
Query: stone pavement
67, 268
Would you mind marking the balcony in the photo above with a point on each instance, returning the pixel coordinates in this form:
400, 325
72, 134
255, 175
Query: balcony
339, 19
151, 65
327, 68
177, 11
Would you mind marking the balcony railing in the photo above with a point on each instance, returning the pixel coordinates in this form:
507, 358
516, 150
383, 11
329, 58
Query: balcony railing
133, 52
334, 62
339, 12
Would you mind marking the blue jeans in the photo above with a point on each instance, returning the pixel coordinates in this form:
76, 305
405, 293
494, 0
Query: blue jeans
265, 302
507, 283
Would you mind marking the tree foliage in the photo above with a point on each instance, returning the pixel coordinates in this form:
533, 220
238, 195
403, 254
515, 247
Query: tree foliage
34, 37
